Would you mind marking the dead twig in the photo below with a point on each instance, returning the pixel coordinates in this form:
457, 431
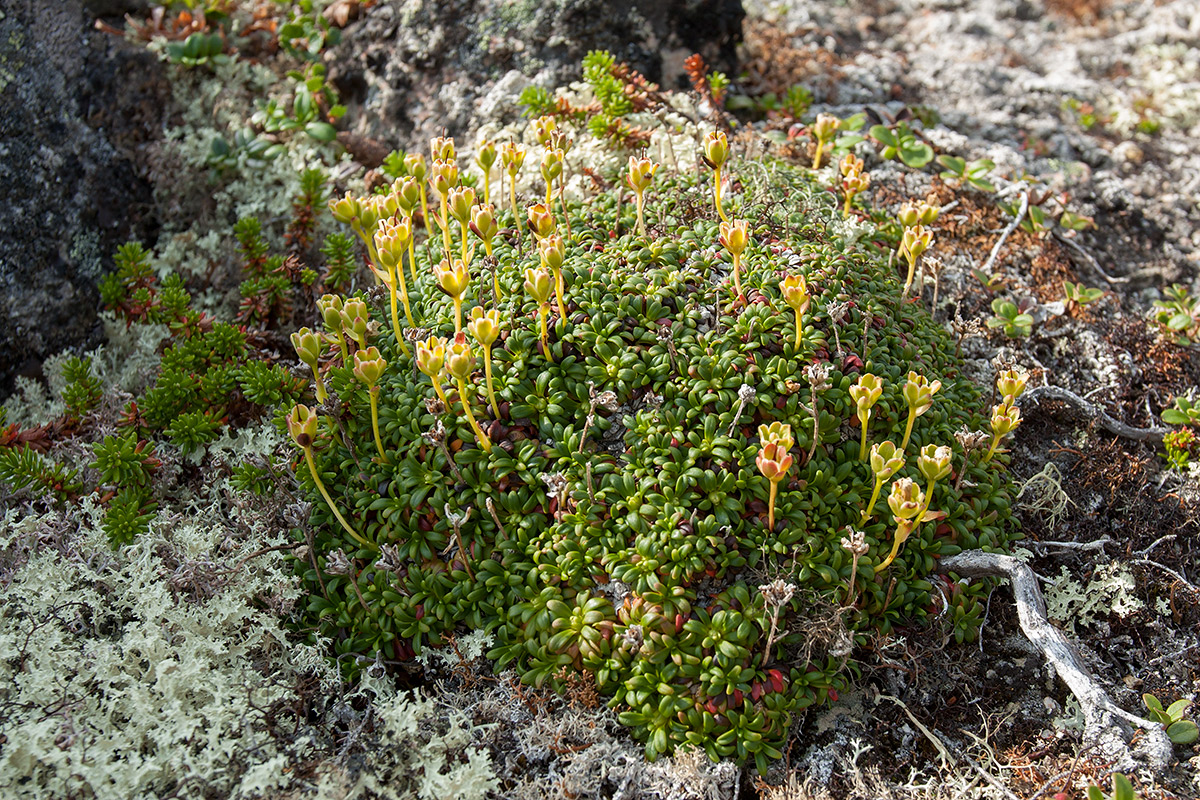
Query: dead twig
1104, 720
1086, 546
1095, 412
1012, 226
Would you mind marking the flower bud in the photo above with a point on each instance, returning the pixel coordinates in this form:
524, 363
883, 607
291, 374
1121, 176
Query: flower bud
407, 192
552, 251
369, 366
825, 126
512, 155
461, 200
484, 326
486, 155
773, 461
560, 141
442, 176
716, 149
483, 222
778, 432
1011, 384
302, 425
641, 173
453, 279
391, 240
886, 460
918, 392
308, 347
906, 499
908, 215
850, 166
414, 165
866, 392
552, 165
370, 211
934, 462
915, 241
735, 236
857, 182
354, 319
539, 284
1005, 418
442, 147
330, 308
345, 209
541, 220
459, 358
795, 293
542, 128
928, 210
431, 356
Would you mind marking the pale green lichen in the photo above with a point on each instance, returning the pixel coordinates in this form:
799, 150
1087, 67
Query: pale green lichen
1109, 591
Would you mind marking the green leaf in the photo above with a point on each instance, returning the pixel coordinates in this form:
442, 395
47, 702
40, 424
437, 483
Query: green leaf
1183, 732
916, 155
956, 167
1122, 788
321, 131
883, 135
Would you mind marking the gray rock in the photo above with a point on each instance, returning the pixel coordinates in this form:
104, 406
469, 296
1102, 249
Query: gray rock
413, 67
75, 105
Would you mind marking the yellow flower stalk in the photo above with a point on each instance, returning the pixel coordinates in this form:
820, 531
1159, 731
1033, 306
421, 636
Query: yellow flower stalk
795, 294
308, 348
431, 359
460, 361
485, 327
302, 426
906, 501
391, 241
1005, 419
512, 156
330, 309
552, 168
461, 201
866, 394
483, 224
716, 153
913, 243
774, 460
369, 367
639, 176
414, 163
823, 130
539, 284
552, 252
886, 461
443, 176
735, 236
854, 180
454, 281
918, 393
485, 159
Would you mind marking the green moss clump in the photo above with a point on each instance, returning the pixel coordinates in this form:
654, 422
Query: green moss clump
618, 526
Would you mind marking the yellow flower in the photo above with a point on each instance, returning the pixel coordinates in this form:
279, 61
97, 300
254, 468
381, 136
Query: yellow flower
484, 325
452, 279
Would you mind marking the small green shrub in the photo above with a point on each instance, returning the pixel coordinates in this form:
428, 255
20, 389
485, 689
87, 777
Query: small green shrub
595, 488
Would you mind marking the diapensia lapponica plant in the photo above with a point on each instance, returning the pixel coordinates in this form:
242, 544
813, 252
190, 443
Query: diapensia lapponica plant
637, 440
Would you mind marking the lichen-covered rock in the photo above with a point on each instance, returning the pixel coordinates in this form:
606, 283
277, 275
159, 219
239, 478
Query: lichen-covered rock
411, 68
76, 104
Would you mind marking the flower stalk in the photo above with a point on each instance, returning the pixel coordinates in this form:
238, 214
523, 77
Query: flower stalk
302, 426
866, 394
